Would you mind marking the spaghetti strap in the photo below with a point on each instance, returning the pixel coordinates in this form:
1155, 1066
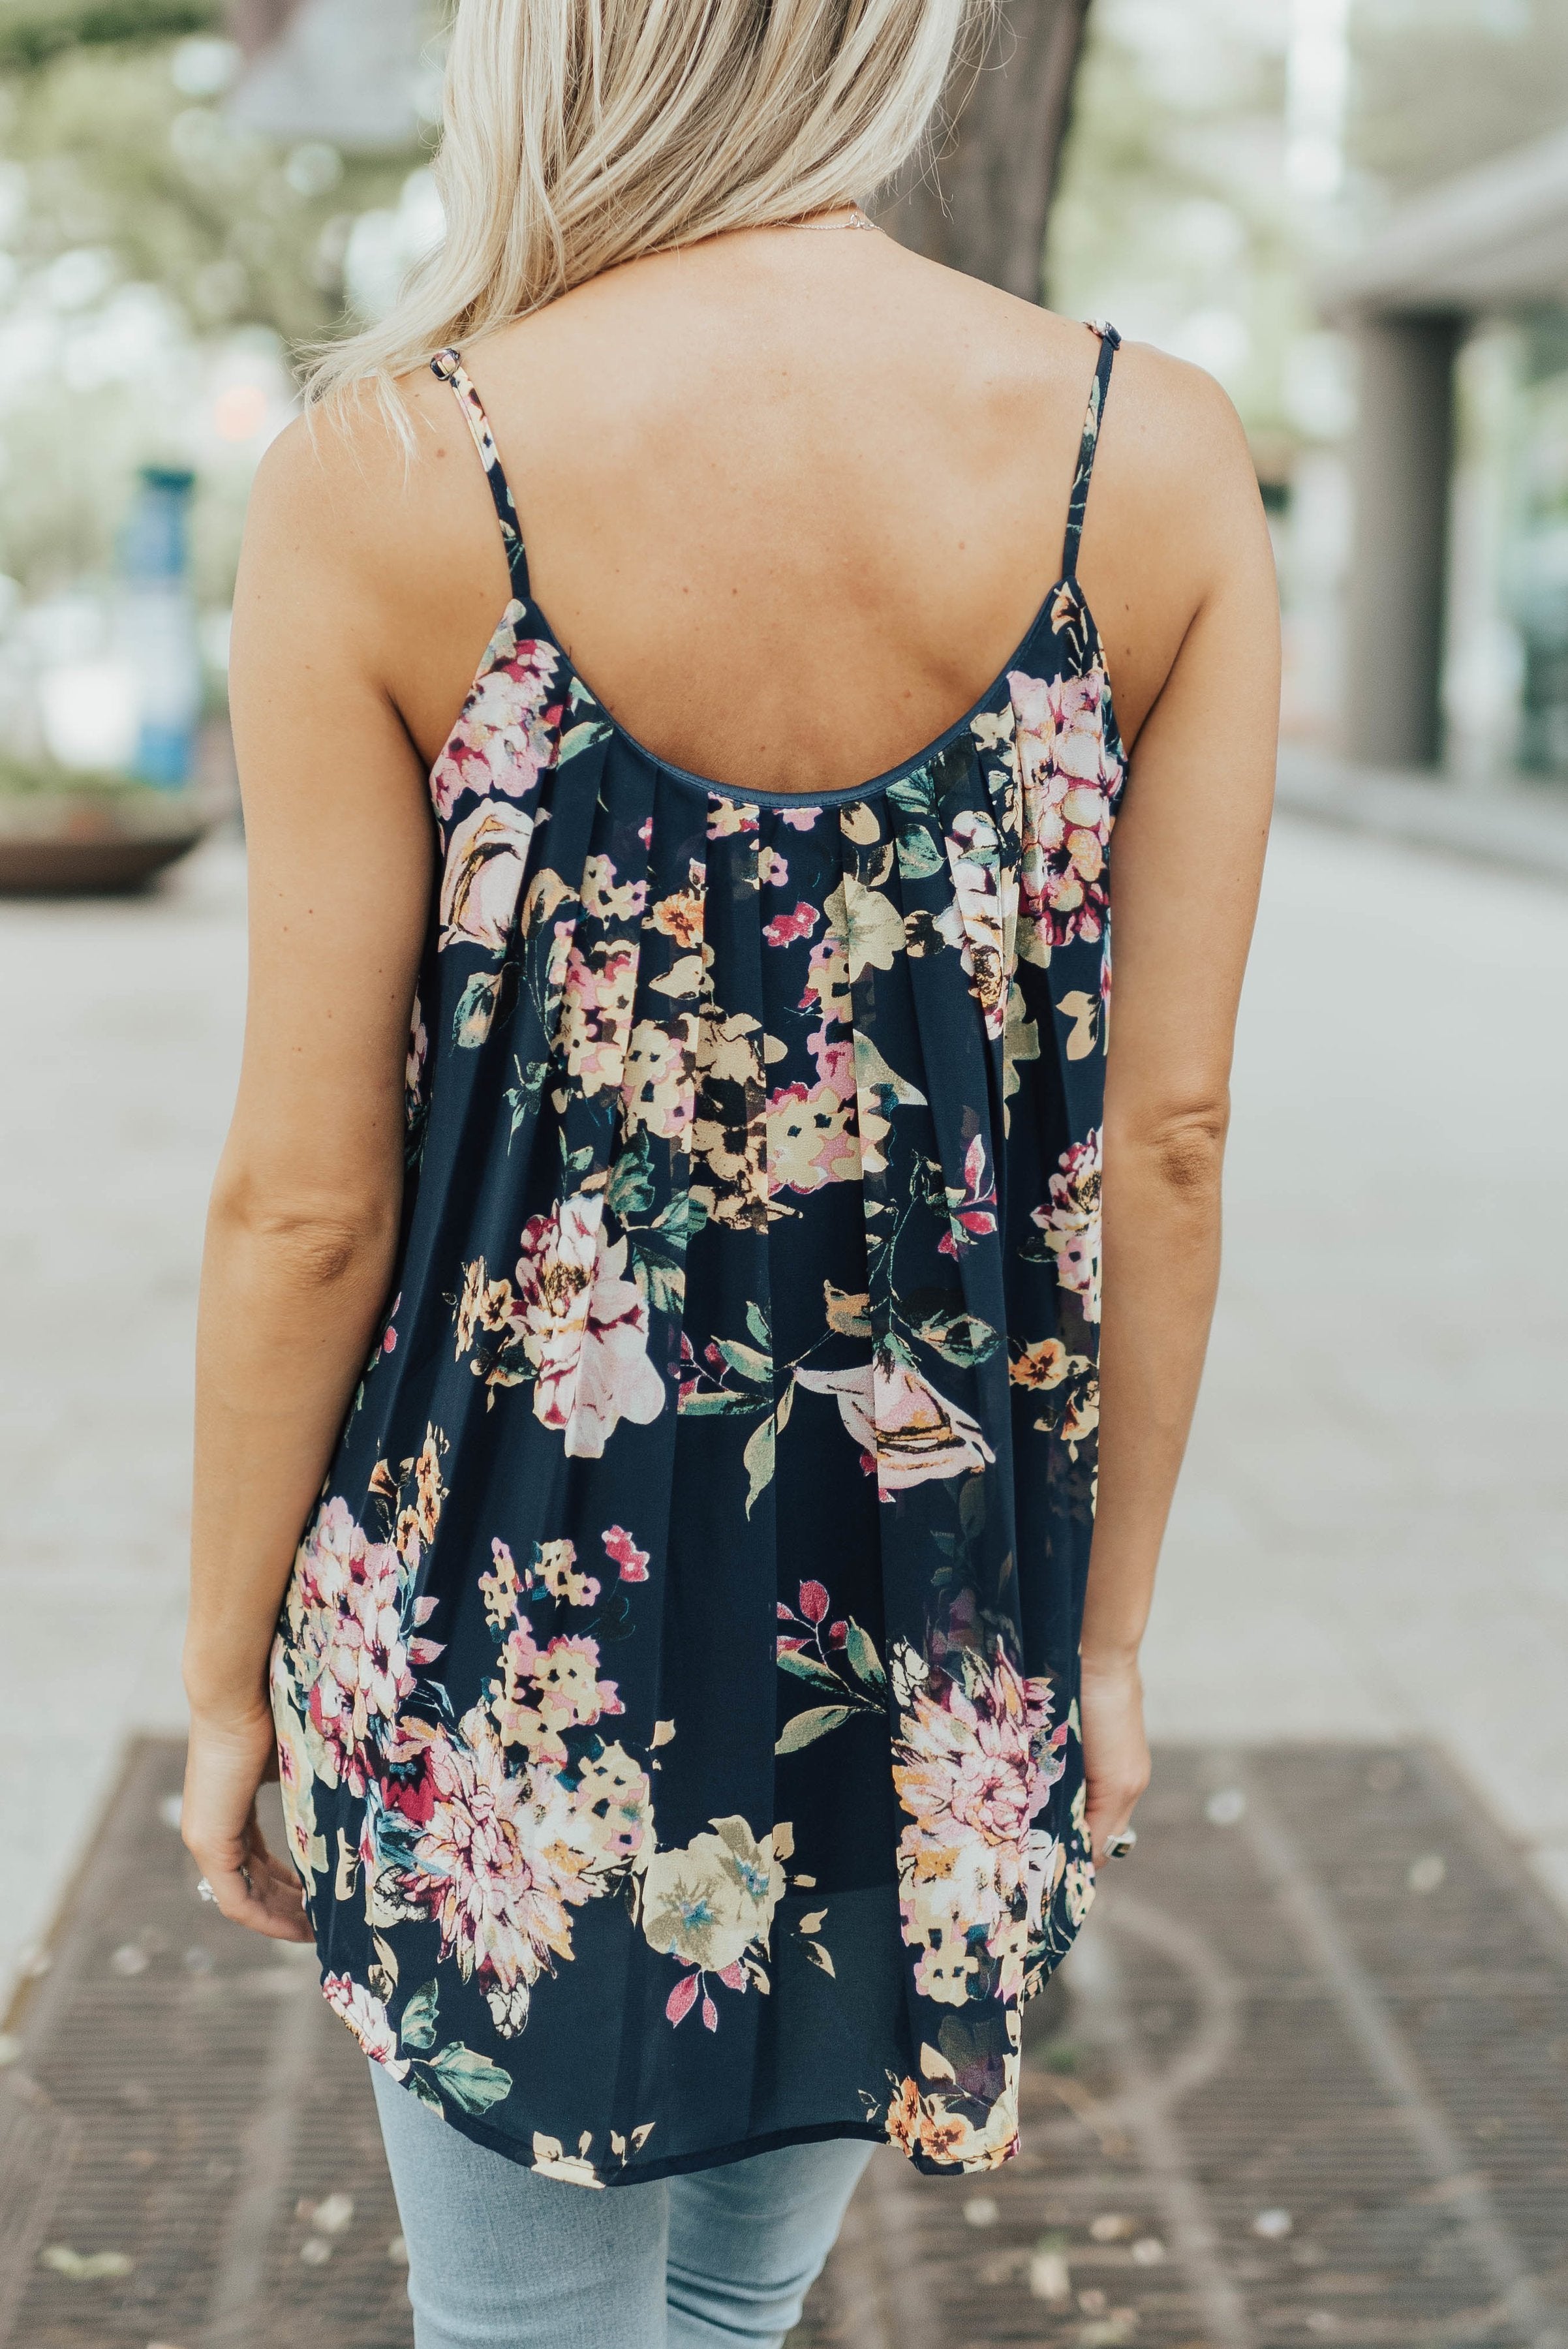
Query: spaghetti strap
449, 366
1110, 342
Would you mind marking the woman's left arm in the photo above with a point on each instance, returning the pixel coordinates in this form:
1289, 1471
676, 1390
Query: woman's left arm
303, 1225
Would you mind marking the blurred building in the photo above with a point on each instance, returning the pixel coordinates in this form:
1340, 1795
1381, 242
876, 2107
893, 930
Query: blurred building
1459, 600
346, 71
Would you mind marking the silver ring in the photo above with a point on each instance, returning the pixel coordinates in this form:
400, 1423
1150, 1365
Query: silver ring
204, 1890
1118, 1846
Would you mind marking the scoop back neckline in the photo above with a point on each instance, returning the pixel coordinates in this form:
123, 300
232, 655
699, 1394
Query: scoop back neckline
842, 795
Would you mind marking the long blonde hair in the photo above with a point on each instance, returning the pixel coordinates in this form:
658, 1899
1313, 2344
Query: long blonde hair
580, 133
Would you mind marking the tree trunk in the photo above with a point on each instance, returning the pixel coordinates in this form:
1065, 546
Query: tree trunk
982, 201
256, 25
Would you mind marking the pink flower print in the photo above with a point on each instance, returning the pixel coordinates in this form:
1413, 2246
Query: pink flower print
972, 1209
623, 1549
367, 2019
553, 1290
908, 1432
1070, 778
508, 731
834, 1058
785, 928
974, 1763
773, 870
798, 819
1070, 1219
495, 1867
346, 1611
584, 1328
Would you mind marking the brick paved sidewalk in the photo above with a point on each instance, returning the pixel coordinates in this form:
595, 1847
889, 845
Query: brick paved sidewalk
1306, 2080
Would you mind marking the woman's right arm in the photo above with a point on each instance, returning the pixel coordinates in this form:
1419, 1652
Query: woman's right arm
304, 1220
1187, 865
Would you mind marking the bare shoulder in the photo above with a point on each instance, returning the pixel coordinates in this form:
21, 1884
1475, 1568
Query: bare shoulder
355, 469
1175, 527
371, 538
1173, 446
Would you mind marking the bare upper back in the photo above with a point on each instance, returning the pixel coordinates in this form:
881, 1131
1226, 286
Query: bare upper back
790, 499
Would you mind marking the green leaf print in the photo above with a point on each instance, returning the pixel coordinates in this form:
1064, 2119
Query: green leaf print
470, 2080
581, 738
757, 1323
630, 1190
919, 854
475, 1009
683, 1218
719, 1403
746, 1361
419, 2025
807, 1667
807, 1727
961, 1338
758, 1460
864, 1660
658, 1268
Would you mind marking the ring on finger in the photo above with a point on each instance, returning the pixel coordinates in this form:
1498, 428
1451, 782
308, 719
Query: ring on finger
1118, 1846
204, 1890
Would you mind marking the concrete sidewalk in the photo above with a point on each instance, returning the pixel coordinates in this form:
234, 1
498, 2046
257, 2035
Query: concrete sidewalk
1372, 1536
1509, 823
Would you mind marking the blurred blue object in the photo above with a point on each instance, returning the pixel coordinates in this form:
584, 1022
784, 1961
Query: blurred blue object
158, 622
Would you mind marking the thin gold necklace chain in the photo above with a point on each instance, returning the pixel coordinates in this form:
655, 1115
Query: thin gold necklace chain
857, 218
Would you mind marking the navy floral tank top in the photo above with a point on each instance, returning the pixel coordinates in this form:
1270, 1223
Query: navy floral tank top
676, 1689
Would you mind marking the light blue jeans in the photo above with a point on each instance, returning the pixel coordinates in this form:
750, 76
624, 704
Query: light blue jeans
502, 2258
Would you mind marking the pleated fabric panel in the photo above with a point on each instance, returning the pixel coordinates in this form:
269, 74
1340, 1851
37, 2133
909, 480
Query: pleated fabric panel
676, 1689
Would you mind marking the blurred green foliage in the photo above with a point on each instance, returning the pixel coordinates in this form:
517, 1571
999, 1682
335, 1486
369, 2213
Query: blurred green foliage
1172, 216
142, 231
33, 31
234, 229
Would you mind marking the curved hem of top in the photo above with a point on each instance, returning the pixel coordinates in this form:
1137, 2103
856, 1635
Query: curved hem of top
678, 2165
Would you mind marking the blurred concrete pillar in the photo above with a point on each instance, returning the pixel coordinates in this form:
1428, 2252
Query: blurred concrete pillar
1402, 461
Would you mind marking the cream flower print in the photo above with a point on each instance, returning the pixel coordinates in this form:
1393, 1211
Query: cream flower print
710, 1905
986, 896
908, 1432
596, 1014
658, 1082
613, 1826
483, 875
